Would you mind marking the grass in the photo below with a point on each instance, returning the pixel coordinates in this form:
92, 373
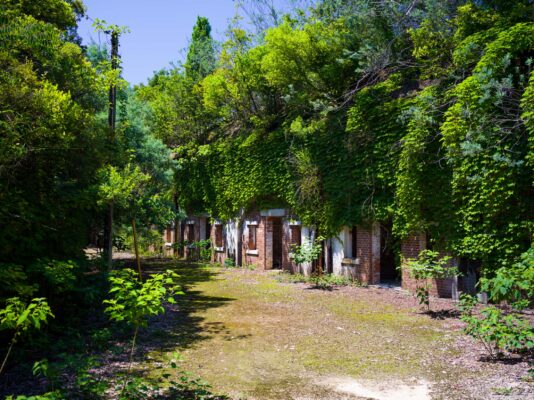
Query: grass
322, 281
255, 337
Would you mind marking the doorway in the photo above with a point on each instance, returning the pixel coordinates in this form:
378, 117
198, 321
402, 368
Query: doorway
389, 247
277, 242
469, 275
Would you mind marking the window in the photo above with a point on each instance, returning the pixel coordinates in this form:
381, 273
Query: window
296, 235
218, 236
354, 242
252, 231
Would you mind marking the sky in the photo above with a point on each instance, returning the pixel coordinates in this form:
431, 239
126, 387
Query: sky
160, 29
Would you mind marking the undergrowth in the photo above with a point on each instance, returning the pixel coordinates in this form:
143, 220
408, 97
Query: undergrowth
325, 280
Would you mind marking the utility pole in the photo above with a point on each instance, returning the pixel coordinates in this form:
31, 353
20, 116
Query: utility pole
112, 117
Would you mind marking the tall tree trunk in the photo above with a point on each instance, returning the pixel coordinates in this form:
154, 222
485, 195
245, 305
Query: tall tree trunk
112, 115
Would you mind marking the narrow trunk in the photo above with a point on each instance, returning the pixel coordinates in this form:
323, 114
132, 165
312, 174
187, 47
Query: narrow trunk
108, 236
136, 248
8, 352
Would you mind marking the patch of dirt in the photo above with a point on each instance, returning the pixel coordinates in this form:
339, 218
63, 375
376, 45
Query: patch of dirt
379, 391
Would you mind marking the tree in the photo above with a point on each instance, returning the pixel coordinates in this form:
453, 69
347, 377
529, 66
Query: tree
200, 60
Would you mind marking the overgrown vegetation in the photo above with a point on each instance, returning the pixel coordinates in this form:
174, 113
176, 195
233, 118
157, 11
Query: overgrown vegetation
415, 114
323, 281
425, 269
502, 330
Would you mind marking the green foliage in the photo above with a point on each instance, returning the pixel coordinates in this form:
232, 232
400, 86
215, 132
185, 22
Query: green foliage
204, 248
55, 395
134, 301
20, 317
57, 276
426, 267
201, 55
13, 280
321, 281
229, 262
514, 284
121, 186
496, 330
308, 251
177, 385
429, 265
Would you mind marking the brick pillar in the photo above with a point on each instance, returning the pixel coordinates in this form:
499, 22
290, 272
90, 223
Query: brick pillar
410, 248
374, 276
364, 248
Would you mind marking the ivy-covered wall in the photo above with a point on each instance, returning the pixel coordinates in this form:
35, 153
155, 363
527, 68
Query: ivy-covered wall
357, 113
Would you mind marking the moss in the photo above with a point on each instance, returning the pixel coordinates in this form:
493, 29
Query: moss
262, 338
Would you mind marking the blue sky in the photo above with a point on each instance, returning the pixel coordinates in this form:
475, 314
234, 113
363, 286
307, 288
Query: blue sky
160, 29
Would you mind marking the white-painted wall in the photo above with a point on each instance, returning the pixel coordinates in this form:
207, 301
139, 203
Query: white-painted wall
232, 237
338, 252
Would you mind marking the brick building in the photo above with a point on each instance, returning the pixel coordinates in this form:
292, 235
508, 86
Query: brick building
262, 239
192, 229
410, 249
363, 252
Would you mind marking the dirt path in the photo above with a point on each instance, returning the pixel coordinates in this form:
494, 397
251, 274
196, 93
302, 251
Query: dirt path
253, 337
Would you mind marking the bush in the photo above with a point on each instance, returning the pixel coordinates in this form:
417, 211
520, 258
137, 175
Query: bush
19, 317
427, 266
308, 251
513, 284
496, 330
229, 263
326, 280
204, 247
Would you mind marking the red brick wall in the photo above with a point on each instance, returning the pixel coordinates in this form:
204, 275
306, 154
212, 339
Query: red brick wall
368, 270
192, 254
258, 261
410, 248
218, 256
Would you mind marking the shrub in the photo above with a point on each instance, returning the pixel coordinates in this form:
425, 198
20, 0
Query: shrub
57, 276
134, 301
229, 263
496, 330
204, 247
427, 266
326, 280
14, 280
308, 251
513, 284
19, 317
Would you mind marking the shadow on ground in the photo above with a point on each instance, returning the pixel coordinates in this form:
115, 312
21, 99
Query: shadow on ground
178, 328
443, 314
